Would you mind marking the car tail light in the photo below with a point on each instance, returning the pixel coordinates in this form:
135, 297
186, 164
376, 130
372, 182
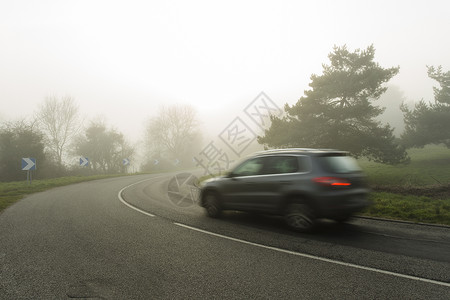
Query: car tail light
331, 181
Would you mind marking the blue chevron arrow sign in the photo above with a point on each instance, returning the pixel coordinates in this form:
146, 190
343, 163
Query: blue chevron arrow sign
84, 161
28, 164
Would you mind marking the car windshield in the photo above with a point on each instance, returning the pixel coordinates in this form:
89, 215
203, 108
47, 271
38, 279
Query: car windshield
339, 164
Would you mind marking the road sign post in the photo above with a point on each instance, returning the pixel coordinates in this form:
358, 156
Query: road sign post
126, 163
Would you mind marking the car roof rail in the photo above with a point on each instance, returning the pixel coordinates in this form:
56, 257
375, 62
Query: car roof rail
304, 150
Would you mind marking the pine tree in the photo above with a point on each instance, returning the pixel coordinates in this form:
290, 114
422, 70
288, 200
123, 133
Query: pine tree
338, 110
430, 123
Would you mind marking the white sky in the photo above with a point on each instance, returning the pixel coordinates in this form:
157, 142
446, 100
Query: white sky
123, 59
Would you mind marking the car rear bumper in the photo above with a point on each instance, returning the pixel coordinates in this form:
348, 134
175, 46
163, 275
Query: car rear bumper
337, 205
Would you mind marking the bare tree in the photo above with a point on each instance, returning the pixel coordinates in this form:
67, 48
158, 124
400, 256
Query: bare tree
173, 132
59, 119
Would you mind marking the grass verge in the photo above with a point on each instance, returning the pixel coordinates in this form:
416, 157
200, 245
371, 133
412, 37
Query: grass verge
416, 192
412, 208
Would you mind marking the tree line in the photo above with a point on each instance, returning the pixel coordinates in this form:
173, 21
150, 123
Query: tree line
53, 137
339, 111
57, 137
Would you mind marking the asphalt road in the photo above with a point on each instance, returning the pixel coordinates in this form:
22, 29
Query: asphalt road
124, 238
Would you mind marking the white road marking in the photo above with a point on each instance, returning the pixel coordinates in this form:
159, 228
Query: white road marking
132, 206
317, 257
282, 250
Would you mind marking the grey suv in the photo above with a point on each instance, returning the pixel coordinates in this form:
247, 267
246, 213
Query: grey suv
299, 184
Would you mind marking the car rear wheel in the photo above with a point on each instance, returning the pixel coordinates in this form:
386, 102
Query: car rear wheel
300, 217
212, 205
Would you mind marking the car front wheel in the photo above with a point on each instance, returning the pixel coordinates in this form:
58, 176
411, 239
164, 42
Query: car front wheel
212, 205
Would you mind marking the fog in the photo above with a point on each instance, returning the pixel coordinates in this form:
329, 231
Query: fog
122, 60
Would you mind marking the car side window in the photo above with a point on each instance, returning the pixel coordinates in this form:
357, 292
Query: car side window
281, 165
249, 168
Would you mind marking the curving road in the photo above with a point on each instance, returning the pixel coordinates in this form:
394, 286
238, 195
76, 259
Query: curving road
124, 238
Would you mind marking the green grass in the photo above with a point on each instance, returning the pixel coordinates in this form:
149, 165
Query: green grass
417, 192
10, 192
409, 208
429, 166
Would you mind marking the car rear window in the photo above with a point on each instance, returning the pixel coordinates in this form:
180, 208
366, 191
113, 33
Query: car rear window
339, 164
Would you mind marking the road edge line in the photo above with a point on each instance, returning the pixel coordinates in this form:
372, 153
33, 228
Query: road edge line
119, 195
337, 262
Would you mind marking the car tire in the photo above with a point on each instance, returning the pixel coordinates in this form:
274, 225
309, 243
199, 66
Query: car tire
212, 205
299, 217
